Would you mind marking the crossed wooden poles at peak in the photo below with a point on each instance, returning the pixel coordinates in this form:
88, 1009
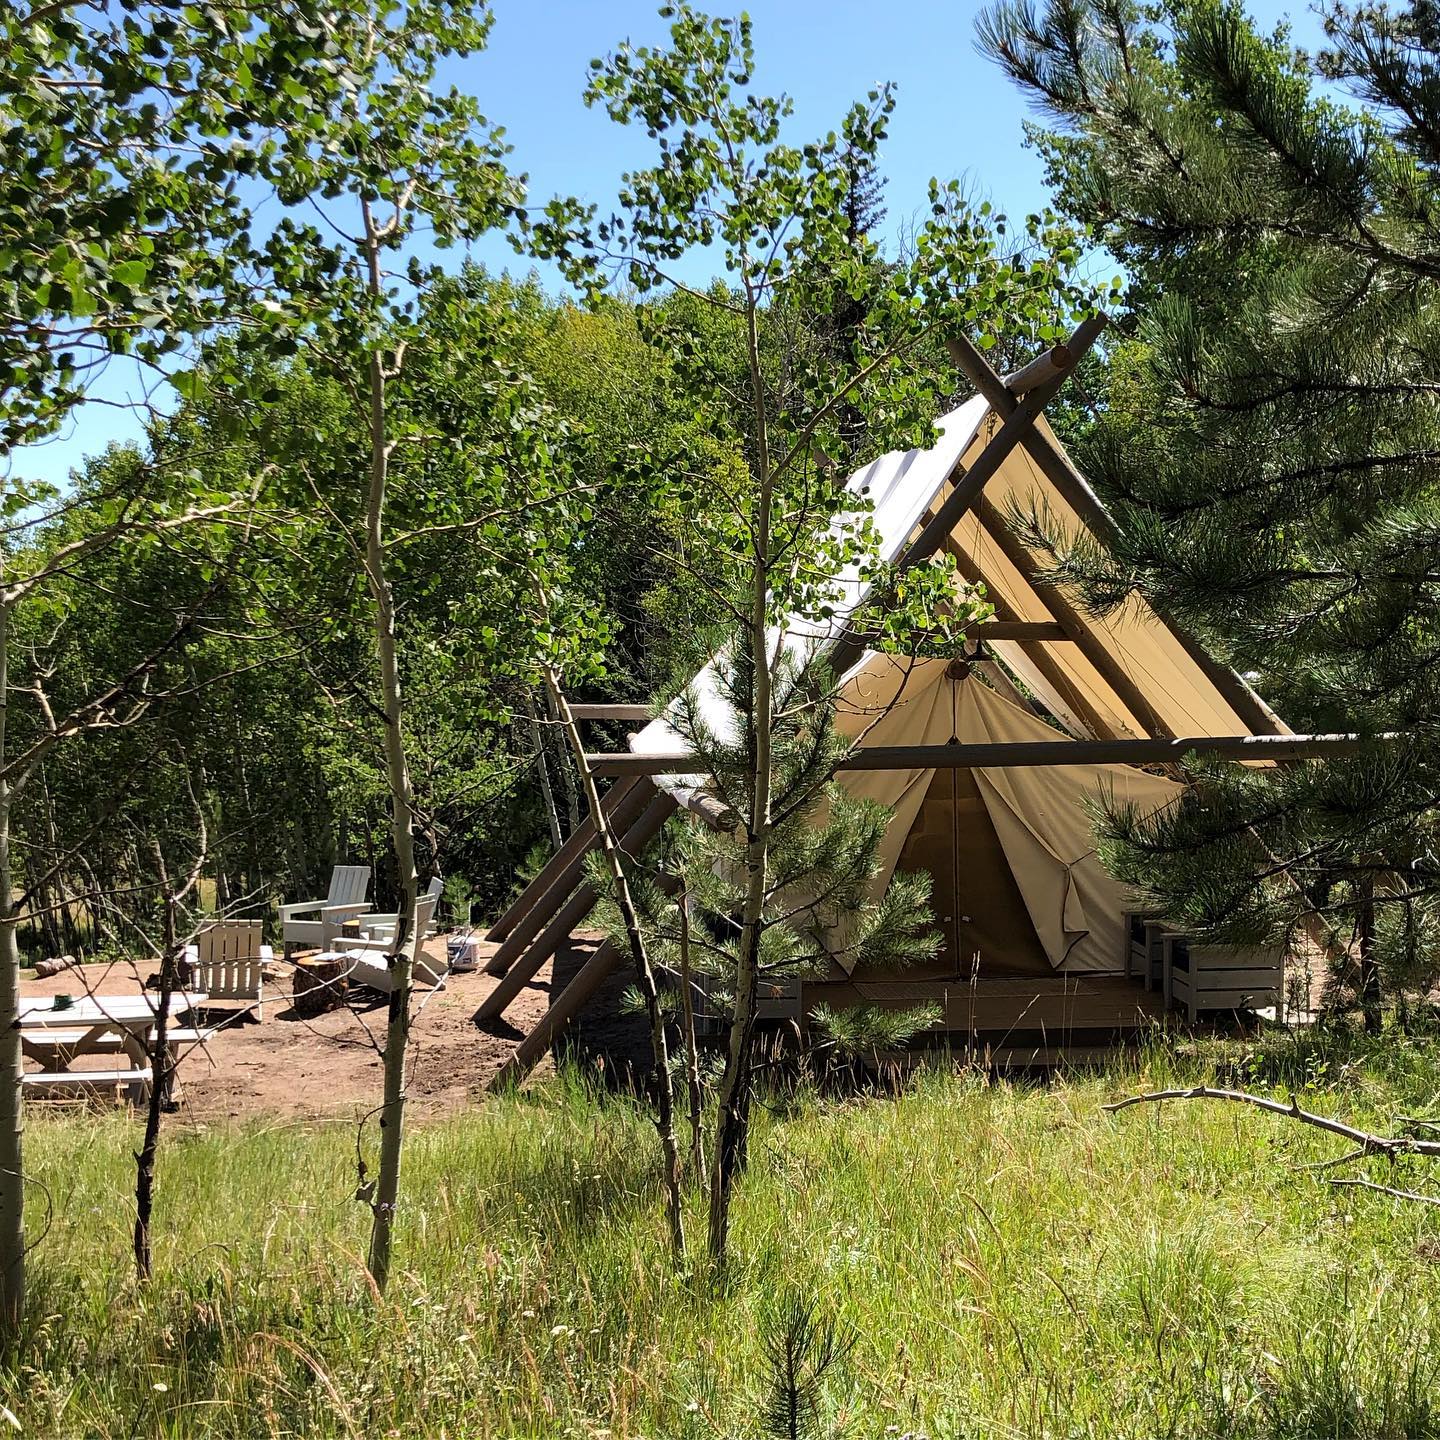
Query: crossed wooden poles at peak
538, 924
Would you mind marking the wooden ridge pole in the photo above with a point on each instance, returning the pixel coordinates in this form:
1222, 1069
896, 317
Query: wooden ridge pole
1055, 363
1057, 467
611, 712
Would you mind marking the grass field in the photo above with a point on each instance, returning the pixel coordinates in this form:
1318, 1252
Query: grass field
1008, 1261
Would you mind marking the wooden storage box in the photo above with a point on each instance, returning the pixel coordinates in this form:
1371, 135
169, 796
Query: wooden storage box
1143, 930
1208, 978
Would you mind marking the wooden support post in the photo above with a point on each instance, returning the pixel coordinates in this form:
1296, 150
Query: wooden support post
1092, 646
525, 967
640, 713
983, 630
563, 1008
1025, 754
573, 848
1075, 490
546, 899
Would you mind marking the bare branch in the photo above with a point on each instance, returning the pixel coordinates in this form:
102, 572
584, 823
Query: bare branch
1366, 1142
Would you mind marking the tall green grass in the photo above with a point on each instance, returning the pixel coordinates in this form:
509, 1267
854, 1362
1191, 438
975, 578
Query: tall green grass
1011, 1262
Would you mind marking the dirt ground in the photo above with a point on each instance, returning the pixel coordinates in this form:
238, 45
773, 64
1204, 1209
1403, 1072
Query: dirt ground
329, 1067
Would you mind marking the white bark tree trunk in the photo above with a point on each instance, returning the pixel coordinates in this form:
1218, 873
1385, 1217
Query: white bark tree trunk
385, 1199
733, 1119
547, 790
12, 1166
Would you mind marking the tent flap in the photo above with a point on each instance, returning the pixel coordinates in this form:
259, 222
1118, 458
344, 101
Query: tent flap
1043, 818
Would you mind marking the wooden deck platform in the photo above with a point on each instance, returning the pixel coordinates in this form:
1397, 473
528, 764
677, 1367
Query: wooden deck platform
1000, 1009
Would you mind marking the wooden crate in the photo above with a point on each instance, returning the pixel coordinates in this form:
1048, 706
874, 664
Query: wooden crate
1209, 978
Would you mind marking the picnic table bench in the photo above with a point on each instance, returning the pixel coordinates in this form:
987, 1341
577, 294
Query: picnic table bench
118, 1025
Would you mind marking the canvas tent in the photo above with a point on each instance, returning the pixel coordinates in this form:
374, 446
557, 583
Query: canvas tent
1008, 840
1024, 832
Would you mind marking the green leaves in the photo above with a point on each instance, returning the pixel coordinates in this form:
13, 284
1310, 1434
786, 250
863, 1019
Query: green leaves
125, 139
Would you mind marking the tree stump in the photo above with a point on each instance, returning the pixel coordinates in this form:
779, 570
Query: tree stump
321, 984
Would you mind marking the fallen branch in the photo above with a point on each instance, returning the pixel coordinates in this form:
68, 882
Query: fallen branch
1390, 1190
1365, 1142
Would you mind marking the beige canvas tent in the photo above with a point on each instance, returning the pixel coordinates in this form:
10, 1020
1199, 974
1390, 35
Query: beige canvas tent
988, 765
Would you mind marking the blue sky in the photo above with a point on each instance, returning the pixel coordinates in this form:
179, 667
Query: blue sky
956, 116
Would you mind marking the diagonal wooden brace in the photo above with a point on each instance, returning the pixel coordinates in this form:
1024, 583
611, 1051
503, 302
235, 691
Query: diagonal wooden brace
525, 967
548, 891
1019, 420
1074, 489
563, 1008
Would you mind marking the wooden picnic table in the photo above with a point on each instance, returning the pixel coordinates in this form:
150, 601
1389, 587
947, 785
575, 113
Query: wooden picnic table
96, 1018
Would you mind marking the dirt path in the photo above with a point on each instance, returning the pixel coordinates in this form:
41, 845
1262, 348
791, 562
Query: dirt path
329, 1067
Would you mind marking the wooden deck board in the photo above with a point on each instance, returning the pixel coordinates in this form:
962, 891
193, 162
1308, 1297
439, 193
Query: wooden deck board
1033, 1005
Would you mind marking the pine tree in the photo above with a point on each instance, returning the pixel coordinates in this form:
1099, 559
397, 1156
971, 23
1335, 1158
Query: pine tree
821, 906
839, 325
1271, 444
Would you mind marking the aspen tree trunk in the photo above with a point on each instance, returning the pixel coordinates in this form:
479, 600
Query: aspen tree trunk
12, 1167
547, 791
162, 1073
402, 808
692, 1049
567, 777
644, 971
733, 1120
54, 917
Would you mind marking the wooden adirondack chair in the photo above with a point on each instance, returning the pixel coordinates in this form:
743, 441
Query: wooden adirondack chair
313, 922
375, 973
381, 926
228, 966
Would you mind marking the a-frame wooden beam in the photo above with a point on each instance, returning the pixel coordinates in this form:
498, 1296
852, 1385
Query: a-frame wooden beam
1041, 381
996, 529
1075, 490
563, 920
621, 816
1066, 691
571, 852
967, 483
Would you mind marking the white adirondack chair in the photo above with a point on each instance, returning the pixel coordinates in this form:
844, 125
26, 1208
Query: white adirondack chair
374, 974
228, 964
381, 926
313, 922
